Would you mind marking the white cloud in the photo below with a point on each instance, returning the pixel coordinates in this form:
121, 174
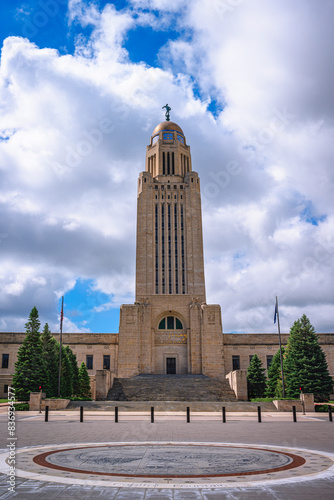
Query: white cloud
74, 130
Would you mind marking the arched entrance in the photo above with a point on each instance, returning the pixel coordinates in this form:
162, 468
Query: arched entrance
170, 345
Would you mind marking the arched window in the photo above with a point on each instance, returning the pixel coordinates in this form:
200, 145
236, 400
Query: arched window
170, 323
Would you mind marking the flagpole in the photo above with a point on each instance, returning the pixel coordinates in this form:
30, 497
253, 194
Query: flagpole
60, 341
280, 346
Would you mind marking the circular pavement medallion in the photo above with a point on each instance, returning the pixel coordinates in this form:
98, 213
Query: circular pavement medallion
169, 464
169, 461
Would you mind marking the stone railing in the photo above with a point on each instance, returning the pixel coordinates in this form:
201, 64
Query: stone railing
306, 403
38, 402
238, 383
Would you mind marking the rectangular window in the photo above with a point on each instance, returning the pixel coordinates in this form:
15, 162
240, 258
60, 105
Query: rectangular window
89, 361
156, 251
163, 248
5, 360
170, 322
269, 360
106, 362
236, 363
250, 358
168, 163
163, 164
176, 254
182, 253
5, 389
169, 252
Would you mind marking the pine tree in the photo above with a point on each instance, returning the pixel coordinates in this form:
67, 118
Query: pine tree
75, 371
51, 357
256, 379
84, 381
305, 363
66, 374
30, 372
274, 375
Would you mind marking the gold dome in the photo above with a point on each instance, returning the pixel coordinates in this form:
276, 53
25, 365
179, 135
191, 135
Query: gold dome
167, 126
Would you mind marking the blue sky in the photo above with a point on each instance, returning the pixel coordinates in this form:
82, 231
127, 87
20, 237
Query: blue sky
251, 85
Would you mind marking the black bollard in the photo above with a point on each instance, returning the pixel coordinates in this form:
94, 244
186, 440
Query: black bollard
46, 414
294, 414
224, 414
116, 414
81, 413
330, 416
259, 414
152, 414
188, 415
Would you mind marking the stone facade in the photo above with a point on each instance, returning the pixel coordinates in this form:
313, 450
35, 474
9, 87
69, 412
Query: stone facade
169, 328
82, 344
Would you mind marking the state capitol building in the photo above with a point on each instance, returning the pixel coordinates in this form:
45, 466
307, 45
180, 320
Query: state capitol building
170, 329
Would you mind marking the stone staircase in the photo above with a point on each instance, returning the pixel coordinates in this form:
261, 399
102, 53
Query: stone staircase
170, 388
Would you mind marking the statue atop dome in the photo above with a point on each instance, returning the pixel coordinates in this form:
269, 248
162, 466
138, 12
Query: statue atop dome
167, 112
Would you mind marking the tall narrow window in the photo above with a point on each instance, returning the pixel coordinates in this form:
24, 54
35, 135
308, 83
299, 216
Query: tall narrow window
169, 253
235, 363
182, 253
173, 164
106, 362
163, 248
89, 361
156, 251
168, 163
163, 163
176, 253
5, 361
269, 360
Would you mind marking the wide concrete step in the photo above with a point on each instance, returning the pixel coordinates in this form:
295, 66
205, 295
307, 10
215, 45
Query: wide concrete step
170, 388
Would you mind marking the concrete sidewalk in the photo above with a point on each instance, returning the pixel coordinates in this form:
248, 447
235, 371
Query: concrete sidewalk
312, 431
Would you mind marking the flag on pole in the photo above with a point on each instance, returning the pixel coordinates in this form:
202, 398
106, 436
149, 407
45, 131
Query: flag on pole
275, 313
62, 313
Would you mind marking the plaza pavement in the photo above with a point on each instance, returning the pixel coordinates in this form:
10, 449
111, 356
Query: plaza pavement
312, 431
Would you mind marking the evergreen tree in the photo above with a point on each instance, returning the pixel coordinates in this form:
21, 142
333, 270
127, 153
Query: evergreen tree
30, 372
66, 374
84, 381
51, 357
75, 371
256, 379
305, 363
274, 375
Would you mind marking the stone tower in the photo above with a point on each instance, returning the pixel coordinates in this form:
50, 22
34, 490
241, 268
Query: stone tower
170, 328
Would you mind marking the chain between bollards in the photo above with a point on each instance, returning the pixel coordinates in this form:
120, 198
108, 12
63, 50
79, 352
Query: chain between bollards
294, 414
224, 414
46, 414
188, 414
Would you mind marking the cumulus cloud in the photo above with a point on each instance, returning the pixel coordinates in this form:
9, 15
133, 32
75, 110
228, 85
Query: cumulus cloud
73, 131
